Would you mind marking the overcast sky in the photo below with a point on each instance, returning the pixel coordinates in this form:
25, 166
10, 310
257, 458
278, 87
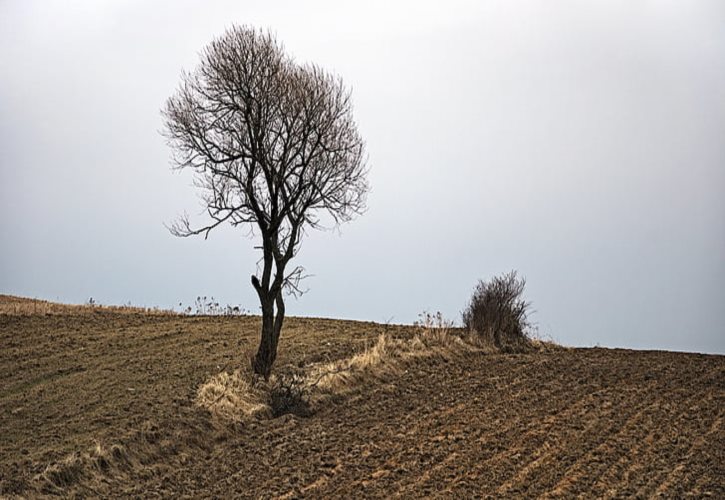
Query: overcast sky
579, 142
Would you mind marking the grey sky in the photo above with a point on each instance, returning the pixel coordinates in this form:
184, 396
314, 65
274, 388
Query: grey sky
580, 142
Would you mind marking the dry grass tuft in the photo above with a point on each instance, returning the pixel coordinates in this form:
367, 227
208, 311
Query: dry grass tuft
539, 345
233, 396
373, 362
61, 474
102, 459
388, 356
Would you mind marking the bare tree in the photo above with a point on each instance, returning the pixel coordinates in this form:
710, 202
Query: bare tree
275, 148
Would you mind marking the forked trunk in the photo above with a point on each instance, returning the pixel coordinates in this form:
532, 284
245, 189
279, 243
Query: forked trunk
271, 329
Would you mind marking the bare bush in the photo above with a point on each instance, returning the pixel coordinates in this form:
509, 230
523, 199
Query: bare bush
289, 394
497, 313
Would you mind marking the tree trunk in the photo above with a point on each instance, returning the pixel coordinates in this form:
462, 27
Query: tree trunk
267, 350
277, 329
271, 330
269, 296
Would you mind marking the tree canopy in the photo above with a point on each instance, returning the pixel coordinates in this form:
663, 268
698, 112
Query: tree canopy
274, 147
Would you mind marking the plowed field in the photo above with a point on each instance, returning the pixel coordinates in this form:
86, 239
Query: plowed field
559, 423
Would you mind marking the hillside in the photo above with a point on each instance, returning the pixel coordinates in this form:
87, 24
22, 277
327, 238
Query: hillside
100, 401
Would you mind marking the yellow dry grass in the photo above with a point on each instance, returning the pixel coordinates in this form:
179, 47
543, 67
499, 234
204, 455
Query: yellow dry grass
237, 396
387, 357
233, 396
373, 362
69, 470
60, 474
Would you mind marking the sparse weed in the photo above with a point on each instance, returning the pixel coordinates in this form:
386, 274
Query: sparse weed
208, 306
429, 321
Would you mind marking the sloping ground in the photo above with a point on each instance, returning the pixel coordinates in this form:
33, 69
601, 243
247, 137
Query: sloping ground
592, 422
23, 306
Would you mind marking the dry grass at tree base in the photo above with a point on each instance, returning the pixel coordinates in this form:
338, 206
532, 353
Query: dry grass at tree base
239, 395
234, 396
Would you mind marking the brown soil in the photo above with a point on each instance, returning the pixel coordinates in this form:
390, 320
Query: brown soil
100, 403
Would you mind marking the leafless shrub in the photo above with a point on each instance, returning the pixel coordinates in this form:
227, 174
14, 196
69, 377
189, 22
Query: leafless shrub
498, 314
289, 394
